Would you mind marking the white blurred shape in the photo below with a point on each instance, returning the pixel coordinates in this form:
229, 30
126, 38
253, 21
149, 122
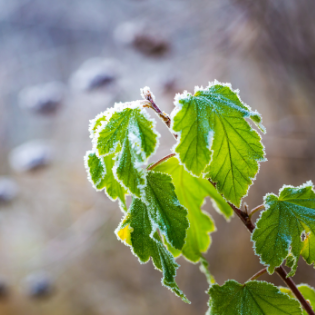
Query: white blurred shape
95, 73
39, 285
44, 98
8, 189
126, 33
145, 40
30, 155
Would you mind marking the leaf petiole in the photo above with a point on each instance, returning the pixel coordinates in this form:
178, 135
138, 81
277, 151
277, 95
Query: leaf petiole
258, 274
258, 208
152, 166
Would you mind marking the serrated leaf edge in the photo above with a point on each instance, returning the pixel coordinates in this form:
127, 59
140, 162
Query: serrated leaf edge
122, 207
237, 92
184, 298
251, 281
87, 168
309, 183
119, 107
155, 226
178, 107
92, 123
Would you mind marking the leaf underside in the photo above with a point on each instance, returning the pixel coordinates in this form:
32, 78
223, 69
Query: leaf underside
215, 139
251, 298
286, 229
191, 192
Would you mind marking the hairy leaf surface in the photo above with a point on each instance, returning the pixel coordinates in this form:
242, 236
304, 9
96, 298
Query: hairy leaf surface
127, 128
100, 172
251, 298
286, 229
212, 129
165, 210
191, 192
146, 243
307, 291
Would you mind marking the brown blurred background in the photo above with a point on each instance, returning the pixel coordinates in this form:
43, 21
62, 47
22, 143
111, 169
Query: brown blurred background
61, 63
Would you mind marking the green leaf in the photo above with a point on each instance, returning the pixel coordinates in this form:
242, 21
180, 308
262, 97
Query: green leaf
251, 298
146, 243
97, 122
307, 291
286, 229
204, 268
124, 230
191, 192
165, 211
215, 139
101, 176
175, 252
309, 294
129, 132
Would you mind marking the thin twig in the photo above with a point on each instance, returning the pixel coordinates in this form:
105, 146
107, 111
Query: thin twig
258, 274
156, 108
148, 96
290, 283
258, 208
241, 214
160, 161
245, 218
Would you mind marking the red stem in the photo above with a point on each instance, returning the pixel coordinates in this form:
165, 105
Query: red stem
290, 283
160, 161
258, 274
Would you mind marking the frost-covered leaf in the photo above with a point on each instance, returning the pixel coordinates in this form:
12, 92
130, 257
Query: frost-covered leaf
251, 298
100, 173
128, 128
215, 139
307, 291
286, 229
97, 122
191, 192
145, 243
124, 230
175, 252
165, 211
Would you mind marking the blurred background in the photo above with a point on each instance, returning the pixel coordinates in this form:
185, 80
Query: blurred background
61, 63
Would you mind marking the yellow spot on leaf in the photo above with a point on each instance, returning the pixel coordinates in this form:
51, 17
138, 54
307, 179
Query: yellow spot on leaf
125, 234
